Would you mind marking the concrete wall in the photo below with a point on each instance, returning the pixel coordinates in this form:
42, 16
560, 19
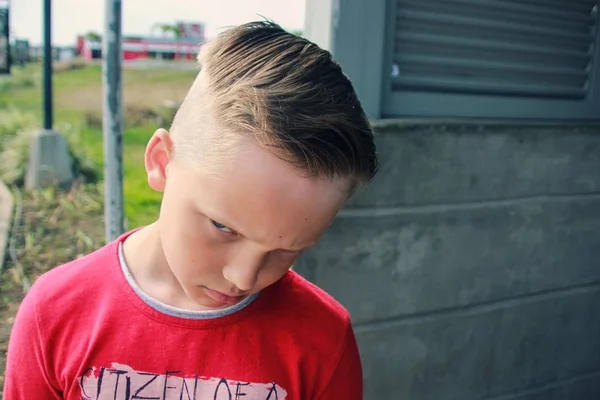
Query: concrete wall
471, 265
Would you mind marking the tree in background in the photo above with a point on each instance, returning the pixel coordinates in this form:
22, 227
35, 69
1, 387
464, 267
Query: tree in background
93, 36
169, 29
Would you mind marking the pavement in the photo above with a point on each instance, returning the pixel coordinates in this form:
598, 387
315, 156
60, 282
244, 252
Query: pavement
6, 214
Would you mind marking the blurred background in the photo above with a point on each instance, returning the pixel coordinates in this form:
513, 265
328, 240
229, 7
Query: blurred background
471, 265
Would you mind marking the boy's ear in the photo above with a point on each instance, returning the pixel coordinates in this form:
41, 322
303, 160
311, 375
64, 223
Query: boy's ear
157, 158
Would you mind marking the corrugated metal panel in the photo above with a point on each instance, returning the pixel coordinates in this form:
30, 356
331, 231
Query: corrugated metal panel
533, 48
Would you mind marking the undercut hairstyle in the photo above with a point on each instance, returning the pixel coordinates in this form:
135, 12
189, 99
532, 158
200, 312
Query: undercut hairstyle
289, 94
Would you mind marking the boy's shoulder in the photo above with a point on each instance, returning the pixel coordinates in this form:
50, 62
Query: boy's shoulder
76, 280
305, 303
310, 295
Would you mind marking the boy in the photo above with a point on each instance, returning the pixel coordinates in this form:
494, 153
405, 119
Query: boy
267, 147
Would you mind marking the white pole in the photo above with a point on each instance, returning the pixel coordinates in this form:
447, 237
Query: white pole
113, 121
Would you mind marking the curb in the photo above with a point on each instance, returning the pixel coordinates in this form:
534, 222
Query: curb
6, 211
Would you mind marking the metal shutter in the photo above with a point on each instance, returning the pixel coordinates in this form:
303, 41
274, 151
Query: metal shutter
518, 48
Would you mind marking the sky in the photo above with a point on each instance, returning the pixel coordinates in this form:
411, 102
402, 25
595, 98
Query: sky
73, 17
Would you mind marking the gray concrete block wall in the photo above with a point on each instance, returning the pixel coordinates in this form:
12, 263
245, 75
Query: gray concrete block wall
471, 265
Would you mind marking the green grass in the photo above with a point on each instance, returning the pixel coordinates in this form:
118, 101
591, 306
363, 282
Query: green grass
78, 93
141, 202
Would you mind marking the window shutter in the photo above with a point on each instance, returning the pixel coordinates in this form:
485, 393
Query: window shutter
533, 48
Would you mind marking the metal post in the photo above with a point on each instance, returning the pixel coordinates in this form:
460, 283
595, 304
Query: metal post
113, 121
48, 111
5, 56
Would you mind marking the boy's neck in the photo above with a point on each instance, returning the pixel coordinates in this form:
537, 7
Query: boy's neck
147, 264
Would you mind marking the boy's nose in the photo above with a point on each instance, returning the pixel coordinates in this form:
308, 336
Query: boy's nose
243, 273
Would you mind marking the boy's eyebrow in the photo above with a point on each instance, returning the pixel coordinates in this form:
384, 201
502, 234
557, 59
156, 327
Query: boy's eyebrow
225, 221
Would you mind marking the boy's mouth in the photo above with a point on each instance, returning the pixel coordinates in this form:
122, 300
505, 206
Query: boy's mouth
222, 297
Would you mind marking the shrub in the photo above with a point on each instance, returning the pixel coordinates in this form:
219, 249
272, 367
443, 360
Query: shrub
16, 82
13, 121
16, 133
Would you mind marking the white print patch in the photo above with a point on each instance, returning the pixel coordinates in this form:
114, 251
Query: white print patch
121, 382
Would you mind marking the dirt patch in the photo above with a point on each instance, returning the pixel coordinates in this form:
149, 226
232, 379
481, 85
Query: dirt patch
56, 227
134, 116
136, 92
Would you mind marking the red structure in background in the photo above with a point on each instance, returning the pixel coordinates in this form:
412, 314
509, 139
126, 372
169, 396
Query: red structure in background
185, 47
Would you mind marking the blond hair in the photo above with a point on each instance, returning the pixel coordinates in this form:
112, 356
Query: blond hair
287, 93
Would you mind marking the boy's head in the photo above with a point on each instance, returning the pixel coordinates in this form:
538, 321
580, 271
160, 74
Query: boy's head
266, 148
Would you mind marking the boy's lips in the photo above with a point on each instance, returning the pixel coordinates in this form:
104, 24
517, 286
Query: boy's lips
222, 297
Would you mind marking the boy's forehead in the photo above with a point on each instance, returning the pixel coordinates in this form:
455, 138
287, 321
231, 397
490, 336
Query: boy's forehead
267, 199
247, 162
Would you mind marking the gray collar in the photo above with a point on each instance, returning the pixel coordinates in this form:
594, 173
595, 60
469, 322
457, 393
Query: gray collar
174, 311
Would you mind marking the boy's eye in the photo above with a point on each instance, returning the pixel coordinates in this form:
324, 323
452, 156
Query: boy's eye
221, 227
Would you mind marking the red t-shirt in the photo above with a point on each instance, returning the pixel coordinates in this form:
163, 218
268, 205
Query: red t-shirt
82, 332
